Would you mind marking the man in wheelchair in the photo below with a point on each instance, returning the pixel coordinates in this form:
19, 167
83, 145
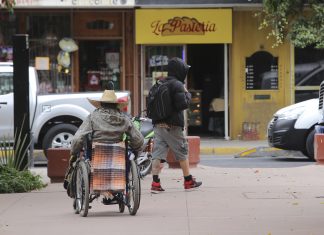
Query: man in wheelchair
105, 124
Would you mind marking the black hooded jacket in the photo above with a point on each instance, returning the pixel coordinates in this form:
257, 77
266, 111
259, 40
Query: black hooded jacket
177, 72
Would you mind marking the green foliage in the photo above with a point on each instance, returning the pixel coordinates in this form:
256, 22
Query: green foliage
12, 154
14, 177
14, 181
300, 21
9, 4
10, 157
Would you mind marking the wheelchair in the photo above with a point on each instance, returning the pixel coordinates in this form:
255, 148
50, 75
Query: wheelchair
84, 181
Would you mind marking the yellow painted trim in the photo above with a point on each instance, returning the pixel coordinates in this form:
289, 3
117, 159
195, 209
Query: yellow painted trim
307, 88
247, 152
222, 150
238, 151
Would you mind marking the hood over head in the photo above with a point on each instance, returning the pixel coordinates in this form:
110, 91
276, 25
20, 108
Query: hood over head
177, 68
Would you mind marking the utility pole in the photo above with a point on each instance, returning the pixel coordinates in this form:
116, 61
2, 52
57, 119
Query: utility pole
21, 98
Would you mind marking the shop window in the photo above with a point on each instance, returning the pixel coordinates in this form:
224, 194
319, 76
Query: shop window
8, 24
100, 64
45, 32
261, 71
6, 53
156, 59
309, 72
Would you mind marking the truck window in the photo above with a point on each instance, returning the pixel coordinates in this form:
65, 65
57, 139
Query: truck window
6, 83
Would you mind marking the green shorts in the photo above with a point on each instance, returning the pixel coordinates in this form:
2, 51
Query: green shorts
173, 138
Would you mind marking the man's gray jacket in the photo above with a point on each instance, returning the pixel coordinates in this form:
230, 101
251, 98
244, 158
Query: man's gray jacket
107, 125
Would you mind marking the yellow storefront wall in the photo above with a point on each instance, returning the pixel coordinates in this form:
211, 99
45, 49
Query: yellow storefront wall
183, 26
243, 107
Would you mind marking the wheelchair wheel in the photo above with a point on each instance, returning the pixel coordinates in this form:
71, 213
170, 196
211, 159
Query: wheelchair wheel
134, 189
76, 210
121, 206
82, 189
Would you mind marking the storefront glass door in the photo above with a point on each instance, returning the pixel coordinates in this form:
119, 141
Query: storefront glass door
206, 84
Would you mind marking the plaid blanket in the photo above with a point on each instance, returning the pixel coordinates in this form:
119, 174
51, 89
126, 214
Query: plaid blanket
108, 166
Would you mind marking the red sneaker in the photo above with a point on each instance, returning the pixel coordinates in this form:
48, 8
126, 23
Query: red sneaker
192, 184
156, 187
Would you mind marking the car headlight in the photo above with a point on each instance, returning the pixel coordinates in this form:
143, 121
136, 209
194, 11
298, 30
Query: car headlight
292, 113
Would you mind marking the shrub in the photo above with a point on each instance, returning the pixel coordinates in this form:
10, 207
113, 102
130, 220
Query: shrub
14, 181
14, 174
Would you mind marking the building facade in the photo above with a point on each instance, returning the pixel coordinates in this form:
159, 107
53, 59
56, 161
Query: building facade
237, 79
75, 45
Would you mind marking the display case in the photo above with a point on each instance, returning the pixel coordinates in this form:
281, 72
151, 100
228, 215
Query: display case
194, 111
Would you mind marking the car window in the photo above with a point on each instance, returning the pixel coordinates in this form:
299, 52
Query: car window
305, 71
6, 83
299, 75
315, 79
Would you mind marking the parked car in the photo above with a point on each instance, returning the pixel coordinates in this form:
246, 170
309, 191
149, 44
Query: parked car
292, 127
54, 118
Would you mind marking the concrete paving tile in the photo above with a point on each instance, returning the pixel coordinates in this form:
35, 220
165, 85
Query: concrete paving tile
220, 207
266, 225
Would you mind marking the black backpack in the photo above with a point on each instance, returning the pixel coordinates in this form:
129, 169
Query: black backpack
159, 101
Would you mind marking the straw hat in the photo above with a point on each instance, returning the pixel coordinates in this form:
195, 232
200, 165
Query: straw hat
108, 96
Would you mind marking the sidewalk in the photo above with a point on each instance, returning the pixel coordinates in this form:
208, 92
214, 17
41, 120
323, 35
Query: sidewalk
231, 201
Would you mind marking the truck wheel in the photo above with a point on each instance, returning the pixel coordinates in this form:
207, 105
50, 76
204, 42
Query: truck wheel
59, 136
310, 145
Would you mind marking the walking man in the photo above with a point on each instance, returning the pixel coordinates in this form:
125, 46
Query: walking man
169, 131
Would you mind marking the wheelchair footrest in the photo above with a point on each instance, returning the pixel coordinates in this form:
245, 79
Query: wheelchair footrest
108, 201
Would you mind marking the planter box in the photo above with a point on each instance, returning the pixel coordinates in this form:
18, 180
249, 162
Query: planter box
194, 153
57, 163
319, 148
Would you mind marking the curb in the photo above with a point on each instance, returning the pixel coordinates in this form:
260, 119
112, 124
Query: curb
260, 152
222, 150
241, 151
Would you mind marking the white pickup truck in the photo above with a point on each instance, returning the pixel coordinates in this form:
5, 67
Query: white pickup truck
54, 118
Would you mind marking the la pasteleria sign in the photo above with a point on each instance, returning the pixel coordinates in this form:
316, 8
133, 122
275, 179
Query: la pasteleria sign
183, 26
